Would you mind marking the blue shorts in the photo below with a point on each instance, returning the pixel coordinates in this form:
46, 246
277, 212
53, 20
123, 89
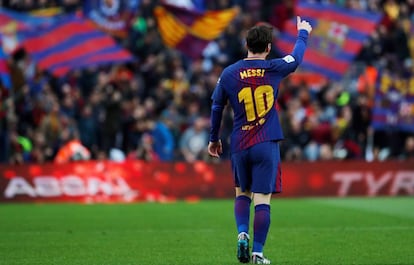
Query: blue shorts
257, 168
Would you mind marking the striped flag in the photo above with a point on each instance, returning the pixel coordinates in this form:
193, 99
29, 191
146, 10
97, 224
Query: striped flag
4, 70
25, 21
189, 30
393, 103
72, 43
337, 37
12, 22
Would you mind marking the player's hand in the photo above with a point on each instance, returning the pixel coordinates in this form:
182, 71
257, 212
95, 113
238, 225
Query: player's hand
215, 148
303, 24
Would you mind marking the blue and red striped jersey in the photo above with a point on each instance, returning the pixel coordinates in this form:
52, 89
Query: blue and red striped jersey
251, 86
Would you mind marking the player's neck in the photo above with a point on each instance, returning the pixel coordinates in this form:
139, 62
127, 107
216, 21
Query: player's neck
256, 56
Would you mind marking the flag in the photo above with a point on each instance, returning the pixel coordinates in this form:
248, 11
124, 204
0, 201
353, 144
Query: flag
111, 16
12, 22
190, 30
46, 12
24, 21
4, 70
337, 37
199, 5
72, 43
394, 103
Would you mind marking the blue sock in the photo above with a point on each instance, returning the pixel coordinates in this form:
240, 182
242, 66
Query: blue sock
242, 213
261, 226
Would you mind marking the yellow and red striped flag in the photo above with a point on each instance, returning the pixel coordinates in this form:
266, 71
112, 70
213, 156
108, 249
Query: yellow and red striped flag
189, 30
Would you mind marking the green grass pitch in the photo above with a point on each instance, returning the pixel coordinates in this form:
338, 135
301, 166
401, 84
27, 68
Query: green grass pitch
346, 231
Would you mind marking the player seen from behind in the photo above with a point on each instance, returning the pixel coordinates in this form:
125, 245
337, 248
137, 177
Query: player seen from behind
251, 87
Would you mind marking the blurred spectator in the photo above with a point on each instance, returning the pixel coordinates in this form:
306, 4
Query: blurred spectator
325, 152
116, 155
51, 125
193, 141
17, 152
163, 139
72, 150
4, 126
41, 152
408, 152
88, 128
145, 150
112, 118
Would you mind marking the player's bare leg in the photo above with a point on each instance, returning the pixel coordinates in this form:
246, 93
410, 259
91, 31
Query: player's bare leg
239, 192
260, 198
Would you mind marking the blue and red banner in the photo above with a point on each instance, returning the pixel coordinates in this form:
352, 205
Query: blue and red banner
72, 43
189, 31
12, 22
4, 70
24, 21
394, 103
337, 37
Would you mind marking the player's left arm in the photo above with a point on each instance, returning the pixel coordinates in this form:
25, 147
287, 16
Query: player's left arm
214, 145
219, 98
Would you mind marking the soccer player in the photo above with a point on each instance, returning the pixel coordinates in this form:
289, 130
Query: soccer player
251, 87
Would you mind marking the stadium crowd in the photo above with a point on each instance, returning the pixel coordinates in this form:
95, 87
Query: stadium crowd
158, 107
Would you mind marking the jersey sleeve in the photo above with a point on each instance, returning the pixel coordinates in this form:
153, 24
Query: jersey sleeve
219, 98
290, 62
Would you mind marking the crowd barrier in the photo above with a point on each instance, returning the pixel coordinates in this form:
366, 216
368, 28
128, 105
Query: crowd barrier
132, 181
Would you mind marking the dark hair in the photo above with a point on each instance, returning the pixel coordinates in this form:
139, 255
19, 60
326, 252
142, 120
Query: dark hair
258, 37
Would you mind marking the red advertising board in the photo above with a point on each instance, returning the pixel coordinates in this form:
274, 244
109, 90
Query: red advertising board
97, 181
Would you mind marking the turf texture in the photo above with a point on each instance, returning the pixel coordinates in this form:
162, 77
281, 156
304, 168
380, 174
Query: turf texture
345, 231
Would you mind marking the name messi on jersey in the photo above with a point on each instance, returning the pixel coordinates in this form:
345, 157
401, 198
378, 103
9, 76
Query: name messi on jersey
252, 73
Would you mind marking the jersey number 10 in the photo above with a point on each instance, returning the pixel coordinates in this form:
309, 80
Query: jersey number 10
257, 104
